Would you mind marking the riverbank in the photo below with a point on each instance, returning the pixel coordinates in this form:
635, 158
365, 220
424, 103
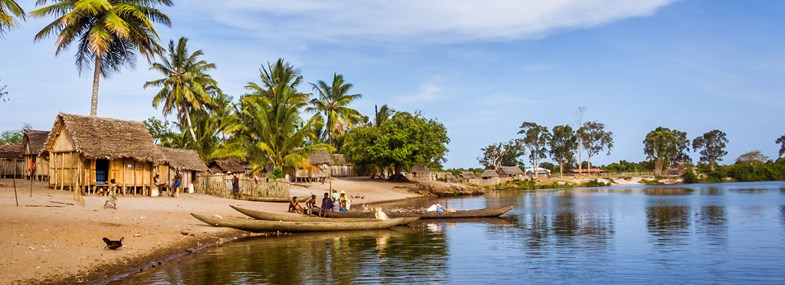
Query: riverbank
50, 238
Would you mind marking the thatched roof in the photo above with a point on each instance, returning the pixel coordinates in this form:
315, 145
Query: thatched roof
510, 171
320, 157
229, 164
490, 173
340, 159
35, 140
105, 138
186, 159
11, 150
421, 169
468, 175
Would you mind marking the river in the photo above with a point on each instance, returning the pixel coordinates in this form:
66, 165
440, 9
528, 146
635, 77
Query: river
730, 233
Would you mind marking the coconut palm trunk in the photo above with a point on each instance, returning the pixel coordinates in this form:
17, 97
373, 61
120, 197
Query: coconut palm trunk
96, 78
188, 120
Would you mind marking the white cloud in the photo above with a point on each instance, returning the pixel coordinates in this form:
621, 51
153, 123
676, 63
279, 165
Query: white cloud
427, 93
419, 20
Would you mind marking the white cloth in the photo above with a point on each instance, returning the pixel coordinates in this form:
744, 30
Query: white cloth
432, 208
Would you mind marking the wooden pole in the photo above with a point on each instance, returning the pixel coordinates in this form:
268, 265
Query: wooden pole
15, 195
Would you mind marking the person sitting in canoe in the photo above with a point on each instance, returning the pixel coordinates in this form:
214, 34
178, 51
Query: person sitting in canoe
436, 208
327, 205
310, 205
294, 206
343, 200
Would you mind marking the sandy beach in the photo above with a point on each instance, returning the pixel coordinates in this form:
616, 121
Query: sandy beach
51, 238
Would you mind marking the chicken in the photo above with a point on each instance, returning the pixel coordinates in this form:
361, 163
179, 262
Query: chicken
113, 244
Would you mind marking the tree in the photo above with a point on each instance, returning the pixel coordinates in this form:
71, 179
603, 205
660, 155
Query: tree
14, 136
711, 146
400, 142
108, 33
186, 85
332, 104
9, 9
562, 143
382, 114
535, 138
594, 138
752, 157
502, 154
3, 94
665, 146
781, 141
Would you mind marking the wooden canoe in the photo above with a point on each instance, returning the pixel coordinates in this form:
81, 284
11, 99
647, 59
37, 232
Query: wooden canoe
293, 217
279, 226
477, 213
274, 199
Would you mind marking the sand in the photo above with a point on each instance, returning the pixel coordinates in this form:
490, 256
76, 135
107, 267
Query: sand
51, 238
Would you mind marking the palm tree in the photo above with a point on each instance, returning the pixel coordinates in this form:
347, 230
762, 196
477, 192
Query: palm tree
332, 104
186, 86
9, 9
108, 33
382, 114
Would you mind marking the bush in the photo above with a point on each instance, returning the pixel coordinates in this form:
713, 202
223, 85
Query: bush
689, 177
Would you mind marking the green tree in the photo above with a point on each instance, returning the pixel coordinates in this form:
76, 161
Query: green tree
665, 146
562, 144
536, 139
594, 138
382, 114
186, 86
332, 103
161, 131
14, 136
752, 157
108, 33
400, 142
781, 141
502, 154
8, 10
711, 147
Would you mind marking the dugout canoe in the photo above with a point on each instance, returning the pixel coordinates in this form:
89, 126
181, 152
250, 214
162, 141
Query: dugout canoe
477, 213
260, 215
280, 226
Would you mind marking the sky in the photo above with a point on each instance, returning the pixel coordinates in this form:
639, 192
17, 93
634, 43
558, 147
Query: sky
481, 68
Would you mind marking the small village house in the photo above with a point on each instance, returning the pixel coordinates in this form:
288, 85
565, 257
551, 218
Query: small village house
489, 174
87, 152
317, 167
37, 164
12, 163
342, 167
446, 177
233, 165
513, 172
538, 170
186, 161
421, 172
468, 177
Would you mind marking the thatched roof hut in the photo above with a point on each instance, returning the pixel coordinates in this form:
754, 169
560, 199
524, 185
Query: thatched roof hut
34, 142
509, 171
233, 165
11, 151
183, 159
340, 159
488, 174
320, 157
105, 138
88, 151
467, 175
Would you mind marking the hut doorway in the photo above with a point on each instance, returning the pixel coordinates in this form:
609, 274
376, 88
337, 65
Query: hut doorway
101, 170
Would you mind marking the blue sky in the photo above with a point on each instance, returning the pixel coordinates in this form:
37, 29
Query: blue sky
480, 67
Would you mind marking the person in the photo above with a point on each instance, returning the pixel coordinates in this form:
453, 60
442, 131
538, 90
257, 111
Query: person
342, 200
176, 184
113, 195
294, 206
236, 185
336, 204
439, 208
327, 205
310, 204
380, 215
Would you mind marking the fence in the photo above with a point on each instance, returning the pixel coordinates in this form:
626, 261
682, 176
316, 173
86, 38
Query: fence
221, 186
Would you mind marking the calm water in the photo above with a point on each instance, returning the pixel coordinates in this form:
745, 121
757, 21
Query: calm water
710, 233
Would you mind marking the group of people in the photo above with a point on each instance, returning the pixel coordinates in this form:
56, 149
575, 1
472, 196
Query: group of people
330, 203
176, 182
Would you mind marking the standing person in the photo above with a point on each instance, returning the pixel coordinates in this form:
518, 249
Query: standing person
236, 185
327, 205
336, 204
342, 200
176, 184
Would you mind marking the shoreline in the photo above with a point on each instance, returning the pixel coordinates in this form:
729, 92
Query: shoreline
51, 238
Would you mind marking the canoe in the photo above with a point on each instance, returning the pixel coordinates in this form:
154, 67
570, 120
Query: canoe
477, 213
293, 217
279, 226
274, 199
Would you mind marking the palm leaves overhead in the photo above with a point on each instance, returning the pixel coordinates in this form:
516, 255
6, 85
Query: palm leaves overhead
186, 87
8, 10
382, 114
108, 33
332, 104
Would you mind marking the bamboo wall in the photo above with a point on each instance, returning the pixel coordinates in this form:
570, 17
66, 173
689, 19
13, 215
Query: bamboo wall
166, 174
10, 167
41, 167
72, 171
221, 185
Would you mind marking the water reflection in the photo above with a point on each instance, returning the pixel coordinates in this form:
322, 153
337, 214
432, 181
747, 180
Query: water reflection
666, 221
667, 191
